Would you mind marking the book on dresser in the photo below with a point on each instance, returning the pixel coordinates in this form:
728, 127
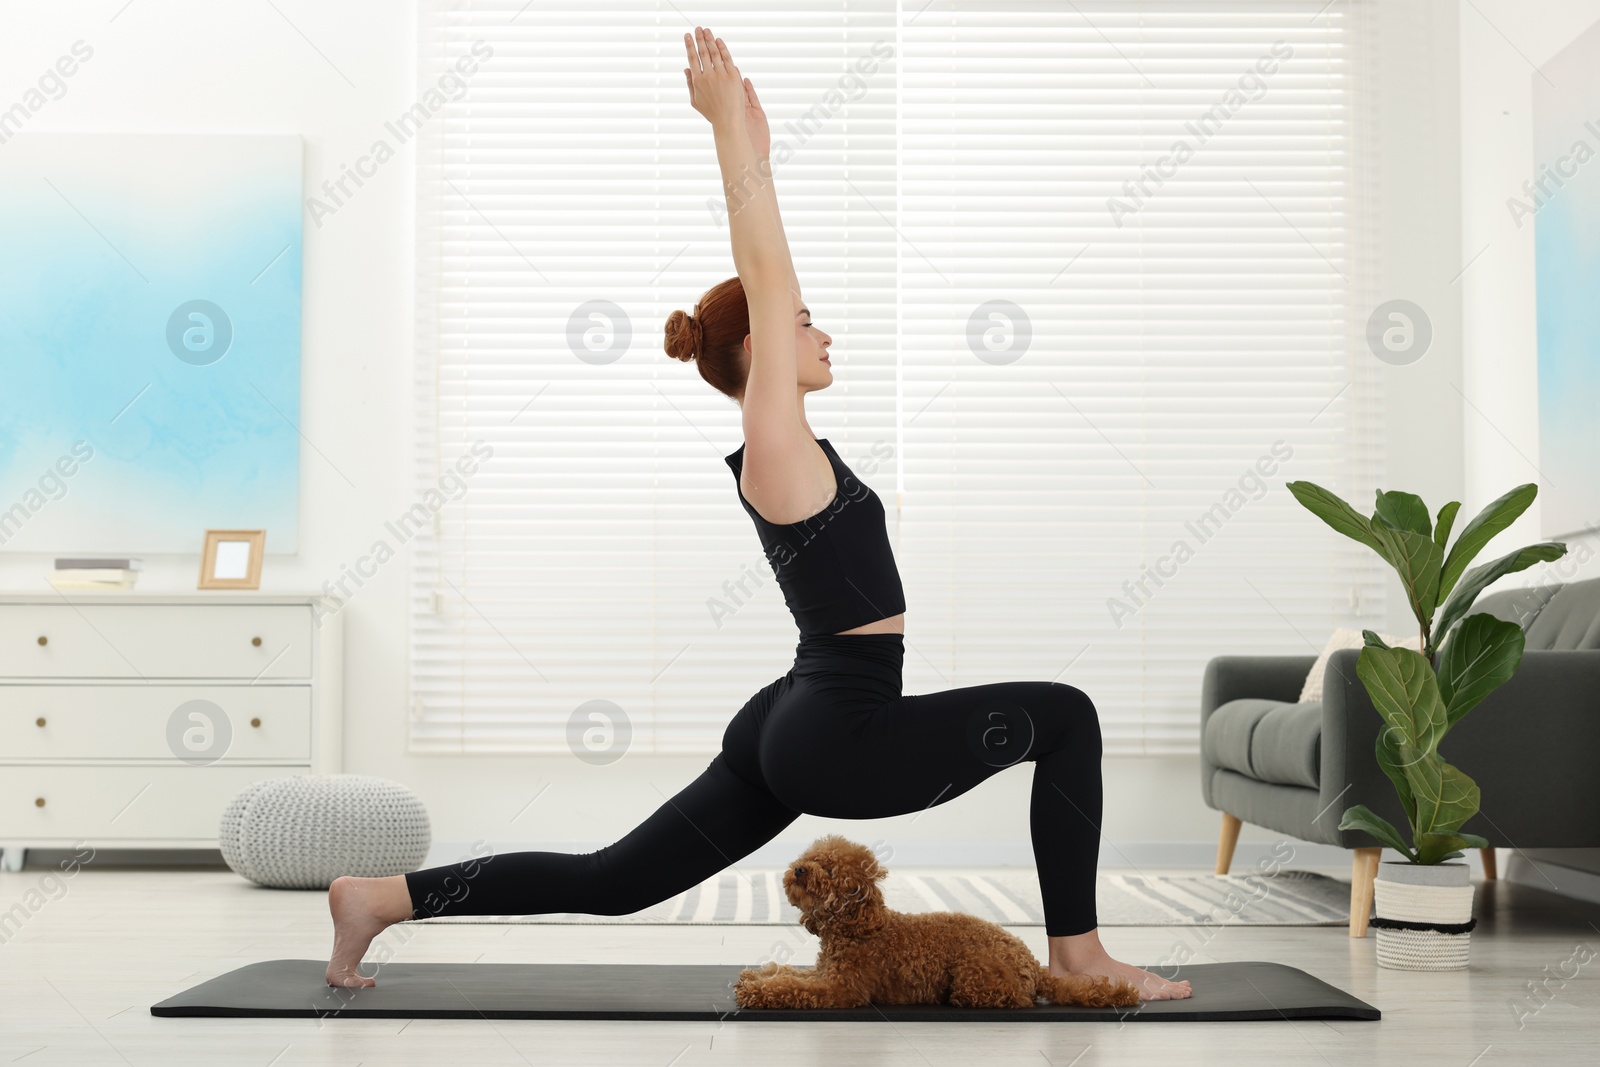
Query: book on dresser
92, 578
131, 719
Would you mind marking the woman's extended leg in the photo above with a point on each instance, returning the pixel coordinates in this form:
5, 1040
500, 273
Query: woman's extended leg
866, 758
713, 822
710, 824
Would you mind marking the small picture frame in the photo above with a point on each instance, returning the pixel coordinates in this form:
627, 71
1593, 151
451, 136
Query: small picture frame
231, 559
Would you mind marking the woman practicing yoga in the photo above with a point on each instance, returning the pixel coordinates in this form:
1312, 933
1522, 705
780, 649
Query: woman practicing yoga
834, 736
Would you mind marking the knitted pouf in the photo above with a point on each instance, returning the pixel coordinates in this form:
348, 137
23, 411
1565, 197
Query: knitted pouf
303, 832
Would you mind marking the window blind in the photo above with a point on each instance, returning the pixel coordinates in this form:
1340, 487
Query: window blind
1096, 275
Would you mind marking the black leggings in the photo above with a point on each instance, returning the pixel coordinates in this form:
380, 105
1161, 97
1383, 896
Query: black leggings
833, 737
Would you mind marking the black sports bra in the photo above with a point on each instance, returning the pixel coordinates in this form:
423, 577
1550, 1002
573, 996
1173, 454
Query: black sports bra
836, 568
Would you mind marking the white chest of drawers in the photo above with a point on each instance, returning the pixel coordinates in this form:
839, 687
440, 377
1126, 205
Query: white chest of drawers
131, 719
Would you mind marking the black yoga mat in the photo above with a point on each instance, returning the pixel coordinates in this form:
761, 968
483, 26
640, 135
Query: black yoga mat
295, 989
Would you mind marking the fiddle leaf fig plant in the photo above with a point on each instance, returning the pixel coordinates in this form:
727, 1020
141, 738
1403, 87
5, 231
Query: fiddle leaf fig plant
1421, 695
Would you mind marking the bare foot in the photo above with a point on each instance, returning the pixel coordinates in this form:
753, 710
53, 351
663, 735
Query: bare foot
1150, 986
1084, 954
362, 908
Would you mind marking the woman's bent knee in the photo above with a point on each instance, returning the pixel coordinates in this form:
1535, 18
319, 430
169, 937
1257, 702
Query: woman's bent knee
1074, 717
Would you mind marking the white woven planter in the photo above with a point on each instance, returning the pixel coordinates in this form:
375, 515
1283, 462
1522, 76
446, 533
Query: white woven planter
1425, 894
304, 831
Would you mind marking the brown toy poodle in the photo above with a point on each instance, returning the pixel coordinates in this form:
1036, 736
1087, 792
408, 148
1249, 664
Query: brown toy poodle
871, 954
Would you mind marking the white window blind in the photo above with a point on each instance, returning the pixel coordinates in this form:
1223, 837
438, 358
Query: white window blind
1063, 346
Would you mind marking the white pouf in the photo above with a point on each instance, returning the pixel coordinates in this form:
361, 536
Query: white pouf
304, 831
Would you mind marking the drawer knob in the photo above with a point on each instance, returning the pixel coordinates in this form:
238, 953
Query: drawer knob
256, 641
38, 802
255, 722
43, 640
39, 721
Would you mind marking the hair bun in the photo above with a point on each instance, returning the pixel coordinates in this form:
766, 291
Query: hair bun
683, 336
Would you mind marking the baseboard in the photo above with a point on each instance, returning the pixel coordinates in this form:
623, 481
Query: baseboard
1202, 855
1538, 870
1124, 855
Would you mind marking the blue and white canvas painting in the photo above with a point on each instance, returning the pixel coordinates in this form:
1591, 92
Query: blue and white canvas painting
1566, 158
150, 340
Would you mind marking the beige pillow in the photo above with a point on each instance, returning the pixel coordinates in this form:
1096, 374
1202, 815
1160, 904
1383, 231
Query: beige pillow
1347, 638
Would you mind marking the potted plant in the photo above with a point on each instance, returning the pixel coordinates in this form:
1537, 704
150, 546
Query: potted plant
1422, 908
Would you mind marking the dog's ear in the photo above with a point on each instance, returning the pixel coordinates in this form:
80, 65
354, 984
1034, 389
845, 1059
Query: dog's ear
861, 911
866, 862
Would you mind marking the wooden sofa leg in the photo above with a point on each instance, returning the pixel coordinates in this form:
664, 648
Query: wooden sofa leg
1363, 872
1225, 843
1491, 870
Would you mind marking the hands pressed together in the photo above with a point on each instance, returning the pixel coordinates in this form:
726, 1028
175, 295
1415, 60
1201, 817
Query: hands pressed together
719, 92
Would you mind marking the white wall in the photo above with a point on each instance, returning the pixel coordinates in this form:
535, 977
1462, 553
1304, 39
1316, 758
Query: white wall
191, 66
1502, 42
1419, 239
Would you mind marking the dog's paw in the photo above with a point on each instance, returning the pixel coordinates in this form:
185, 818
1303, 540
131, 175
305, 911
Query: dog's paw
751, 992
1124, 994
766, 970
754, 987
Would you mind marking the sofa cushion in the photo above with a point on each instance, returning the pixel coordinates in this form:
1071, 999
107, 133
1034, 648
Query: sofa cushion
1269, 740
1518, 604
1345, 637
1571, 620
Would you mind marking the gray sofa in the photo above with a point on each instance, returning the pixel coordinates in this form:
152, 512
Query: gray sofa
1531, 745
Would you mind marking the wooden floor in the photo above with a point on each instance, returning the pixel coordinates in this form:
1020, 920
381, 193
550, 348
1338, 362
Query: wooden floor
94, 952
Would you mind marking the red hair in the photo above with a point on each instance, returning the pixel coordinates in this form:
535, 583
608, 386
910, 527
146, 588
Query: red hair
713, 337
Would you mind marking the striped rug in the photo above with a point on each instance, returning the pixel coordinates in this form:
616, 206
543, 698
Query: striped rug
754, 896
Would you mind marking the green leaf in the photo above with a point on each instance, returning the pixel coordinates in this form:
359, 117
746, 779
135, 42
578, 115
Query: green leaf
1403, 511
1447, 519
1335, 512
1446, 797
1434, 848
1406, 693
1389, 760
1373, 639
1360, 818
1481, 655
1481, 530
1480, 577
1418, 561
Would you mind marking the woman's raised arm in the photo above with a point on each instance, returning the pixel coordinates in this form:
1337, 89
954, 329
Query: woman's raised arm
771, 416
721, 94
755, 124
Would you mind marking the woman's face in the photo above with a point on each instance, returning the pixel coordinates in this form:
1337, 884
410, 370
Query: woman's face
810, 349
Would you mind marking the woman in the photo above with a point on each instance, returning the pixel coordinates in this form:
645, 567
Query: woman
834, 736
